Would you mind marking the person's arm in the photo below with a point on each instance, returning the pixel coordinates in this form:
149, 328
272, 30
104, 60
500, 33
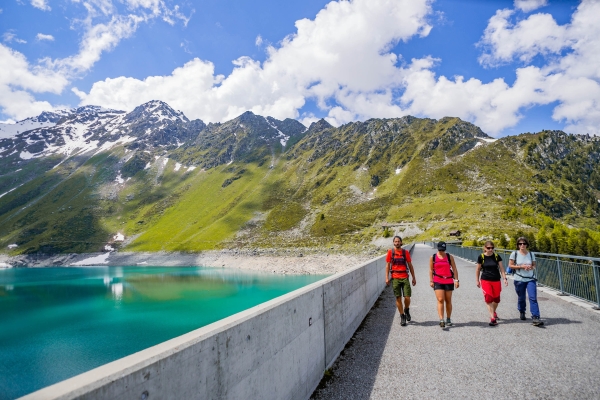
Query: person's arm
412, 273
431, 271
477, 272
532, 260
387, 273
453, 266
513, 263
503, 273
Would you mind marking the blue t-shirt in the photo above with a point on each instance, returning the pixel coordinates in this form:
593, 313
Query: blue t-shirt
523, 275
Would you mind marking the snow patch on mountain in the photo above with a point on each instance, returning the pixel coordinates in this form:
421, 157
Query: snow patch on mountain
25, 155
5, 193
283, 137
45, 119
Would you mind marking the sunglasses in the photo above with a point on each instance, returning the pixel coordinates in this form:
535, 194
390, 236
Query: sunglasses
522, 244
490, 248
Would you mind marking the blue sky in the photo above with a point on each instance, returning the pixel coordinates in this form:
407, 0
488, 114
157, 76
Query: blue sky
507, 66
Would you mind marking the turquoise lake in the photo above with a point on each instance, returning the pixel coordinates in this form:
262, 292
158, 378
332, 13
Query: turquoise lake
56, 323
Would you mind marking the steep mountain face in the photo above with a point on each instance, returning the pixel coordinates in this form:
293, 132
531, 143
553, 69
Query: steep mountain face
247, 138
565, 178
168, 183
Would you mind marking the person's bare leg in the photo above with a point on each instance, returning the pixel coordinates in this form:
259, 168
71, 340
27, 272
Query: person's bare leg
439, 294
448, 296
399, 305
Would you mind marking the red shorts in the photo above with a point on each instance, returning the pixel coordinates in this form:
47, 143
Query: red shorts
491, 291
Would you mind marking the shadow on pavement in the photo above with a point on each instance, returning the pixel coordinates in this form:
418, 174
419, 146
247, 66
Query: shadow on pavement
485, 324
360, 359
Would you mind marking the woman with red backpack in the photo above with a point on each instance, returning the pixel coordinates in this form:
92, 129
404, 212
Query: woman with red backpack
491, 264
443, 278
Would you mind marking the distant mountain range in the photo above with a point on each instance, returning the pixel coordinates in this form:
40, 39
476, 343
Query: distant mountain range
91, 178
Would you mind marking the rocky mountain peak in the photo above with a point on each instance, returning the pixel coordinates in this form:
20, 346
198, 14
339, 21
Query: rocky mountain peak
318, 126
154, 111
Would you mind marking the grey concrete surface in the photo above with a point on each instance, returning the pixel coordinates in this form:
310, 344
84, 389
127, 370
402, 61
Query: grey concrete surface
470, 360
276, 350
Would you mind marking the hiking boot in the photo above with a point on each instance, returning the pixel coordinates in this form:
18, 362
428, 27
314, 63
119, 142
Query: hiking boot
537, 321
523, 317
407, 314
448, 322
402, 319
496, 316
442, 324
493, 322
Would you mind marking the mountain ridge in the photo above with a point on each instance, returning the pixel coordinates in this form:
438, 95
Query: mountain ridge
168, 183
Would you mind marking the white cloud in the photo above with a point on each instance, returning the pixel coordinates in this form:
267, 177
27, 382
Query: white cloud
538, 34
41, 4
308, 118
41, 36
98, 38
530, 5
571, 72
19, 80
342, 60
493, 106
10, 36
158, 8
185, 46
258, 41
342, 54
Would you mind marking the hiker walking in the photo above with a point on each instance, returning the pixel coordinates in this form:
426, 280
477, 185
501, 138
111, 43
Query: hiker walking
399, 263
522, 262
489, 265
443, 278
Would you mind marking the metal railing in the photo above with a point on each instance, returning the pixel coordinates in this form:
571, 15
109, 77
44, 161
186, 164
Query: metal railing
575, 276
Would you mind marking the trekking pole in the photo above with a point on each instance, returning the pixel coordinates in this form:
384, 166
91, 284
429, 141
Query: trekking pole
595, 268
560, 280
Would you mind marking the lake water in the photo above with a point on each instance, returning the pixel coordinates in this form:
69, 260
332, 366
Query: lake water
56, 323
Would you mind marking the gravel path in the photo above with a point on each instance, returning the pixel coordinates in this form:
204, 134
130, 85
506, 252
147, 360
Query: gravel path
470, 359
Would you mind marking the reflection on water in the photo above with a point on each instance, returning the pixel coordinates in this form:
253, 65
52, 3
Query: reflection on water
117, 291
59, 322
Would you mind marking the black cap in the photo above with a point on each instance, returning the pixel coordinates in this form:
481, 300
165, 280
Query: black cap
442, 246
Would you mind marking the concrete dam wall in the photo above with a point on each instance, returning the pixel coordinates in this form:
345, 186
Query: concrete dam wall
276, 350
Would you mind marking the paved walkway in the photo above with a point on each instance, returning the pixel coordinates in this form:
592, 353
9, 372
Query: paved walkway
471, 359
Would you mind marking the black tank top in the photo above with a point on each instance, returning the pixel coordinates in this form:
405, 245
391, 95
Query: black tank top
490, 269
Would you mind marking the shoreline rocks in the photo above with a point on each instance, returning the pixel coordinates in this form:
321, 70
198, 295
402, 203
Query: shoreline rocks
282, 261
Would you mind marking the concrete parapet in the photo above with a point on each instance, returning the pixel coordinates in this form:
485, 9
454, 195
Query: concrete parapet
276, 350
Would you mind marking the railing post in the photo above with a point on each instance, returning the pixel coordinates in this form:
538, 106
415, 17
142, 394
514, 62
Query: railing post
595, 268
560, 281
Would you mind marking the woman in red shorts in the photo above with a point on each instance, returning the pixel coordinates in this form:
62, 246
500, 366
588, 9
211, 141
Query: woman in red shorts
491, 265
